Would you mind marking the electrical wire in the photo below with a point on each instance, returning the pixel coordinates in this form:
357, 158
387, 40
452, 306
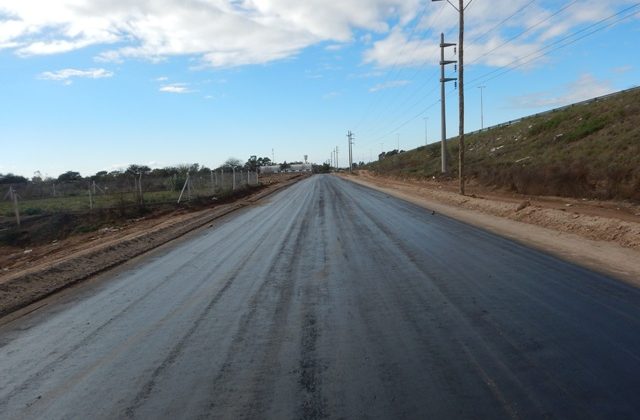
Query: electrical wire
505, 20
525, 31
396, 62
539, 53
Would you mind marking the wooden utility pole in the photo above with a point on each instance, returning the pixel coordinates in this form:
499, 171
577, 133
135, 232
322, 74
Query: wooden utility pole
350, 137
460, 10
461, 95
443, 109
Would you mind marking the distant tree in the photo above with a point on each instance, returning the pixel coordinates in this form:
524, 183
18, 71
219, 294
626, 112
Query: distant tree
12, 179
325, 168
252, 163
232, 162
183, 168
70, 176
284, 166
101, 175
37, 177
165, 172
264, 161
137, 169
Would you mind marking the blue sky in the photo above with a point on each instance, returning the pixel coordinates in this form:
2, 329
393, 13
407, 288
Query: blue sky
98, 85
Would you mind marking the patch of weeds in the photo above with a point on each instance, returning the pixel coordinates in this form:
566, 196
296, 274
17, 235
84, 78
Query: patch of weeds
587, 128
545, 126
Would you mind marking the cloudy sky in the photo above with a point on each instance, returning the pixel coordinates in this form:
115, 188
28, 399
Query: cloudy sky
91, 85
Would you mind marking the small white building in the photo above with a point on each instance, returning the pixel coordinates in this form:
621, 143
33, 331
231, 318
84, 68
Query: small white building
302, 167
272, 169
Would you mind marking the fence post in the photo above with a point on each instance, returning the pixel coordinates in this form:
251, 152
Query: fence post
90, 198
16, 209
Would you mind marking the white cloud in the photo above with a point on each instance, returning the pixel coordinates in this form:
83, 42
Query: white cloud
331, 95
622, 69
222, 33
176, 88
489, 25
226, 33
585, 87
397, 50
67, 75
389, 85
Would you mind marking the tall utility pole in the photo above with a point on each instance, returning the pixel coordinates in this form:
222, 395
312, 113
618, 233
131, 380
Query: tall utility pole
481, 108
337, 161
461, 97
350, 138
426, 137
443, 109
461, 7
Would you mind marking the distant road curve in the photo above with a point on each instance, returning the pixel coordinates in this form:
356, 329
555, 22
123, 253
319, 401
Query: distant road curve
331, 300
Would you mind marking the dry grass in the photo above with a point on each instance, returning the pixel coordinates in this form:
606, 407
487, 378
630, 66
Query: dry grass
590, 151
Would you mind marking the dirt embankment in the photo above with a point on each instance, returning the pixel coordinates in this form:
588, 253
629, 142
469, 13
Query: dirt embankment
604, 236
32, 274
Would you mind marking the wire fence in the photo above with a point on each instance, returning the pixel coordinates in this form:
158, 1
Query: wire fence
123, 190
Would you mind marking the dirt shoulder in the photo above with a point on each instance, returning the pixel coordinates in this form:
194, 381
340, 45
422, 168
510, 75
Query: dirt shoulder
604, 237
33, 274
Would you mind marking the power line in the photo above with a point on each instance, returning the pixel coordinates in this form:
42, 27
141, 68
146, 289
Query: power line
539, 53
503, 21
396, 62
388, 133
525, 31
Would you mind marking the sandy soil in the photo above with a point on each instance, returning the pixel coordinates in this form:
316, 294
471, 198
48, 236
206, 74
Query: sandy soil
603, 236
32, 274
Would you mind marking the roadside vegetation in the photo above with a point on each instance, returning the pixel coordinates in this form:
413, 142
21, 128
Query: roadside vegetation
585, 151
52, 209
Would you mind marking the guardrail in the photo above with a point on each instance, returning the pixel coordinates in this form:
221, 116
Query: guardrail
551, 111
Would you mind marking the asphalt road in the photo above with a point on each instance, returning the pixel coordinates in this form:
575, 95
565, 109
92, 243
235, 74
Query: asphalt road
332, 301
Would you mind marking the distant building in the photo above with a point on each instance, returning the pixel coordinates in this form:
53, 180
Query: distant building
271, 169
302, 167
296, 167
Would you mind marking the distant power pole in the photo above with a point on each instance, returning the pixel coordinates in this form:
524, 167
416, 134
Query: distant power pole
426, 137
481, 108
443, 109
337, 161
350, 136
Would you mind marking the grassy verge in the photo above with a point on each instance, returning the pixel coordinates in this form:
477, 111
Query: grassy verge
590, 151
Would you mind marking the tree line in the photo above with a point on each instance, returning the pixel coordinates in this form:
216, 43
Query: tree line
252, 164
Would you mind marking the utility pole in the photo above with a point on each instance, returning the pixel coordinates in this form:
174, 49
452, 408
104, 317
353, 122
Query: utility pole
426, 137
337, 161
461, 97
461, 7
90, 199
443, 109
481, 108
350, 136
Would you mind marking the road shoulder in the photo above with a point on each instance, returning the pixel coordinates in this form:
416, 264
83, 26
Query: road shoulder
607, 257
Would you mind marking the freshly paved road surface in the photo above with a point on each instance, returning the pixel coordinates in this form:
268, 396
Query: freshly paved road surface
332, 301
